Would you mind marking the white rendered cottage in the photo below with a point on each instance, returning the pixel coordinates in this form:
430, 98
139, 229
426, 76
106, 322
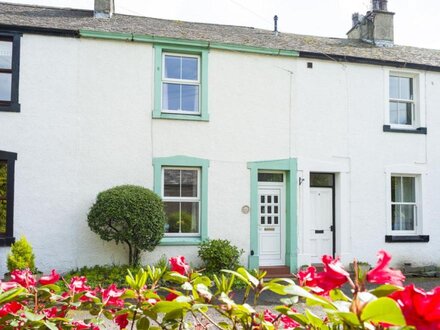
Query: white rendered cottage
289, 146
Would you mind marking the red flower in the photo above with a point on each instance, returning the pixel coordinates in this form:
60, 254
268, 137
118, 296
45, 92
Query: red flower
6, 286
286, 321
171, 296
10, 308
421, 309
50, 312
50, 279
333, 276
78, 284
23, 277
121, 320
381, 274
179, 265
111, 295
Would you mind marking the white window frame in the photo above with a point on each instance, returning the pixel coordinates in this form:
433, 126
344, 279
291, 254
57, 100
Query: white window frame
181, 82
415, 203
183, 199
418, 117
406, 171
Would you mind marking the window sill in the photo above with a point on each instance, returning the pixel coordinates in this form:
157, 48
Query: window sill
406, 238
173, 241
13, 107
177, 116
6, 241
420, 130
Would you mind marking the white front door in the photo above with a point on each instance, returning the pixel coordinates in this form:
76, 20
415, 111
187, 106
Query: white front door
271, 202
321, 222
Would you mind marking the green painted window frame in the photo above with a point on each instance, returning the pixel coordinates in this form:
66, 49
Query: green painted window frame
159, 50
185, 161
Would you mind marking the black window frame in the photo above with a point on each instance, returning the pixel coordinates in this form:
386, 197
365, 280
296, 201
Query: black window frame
9, 157
13, 105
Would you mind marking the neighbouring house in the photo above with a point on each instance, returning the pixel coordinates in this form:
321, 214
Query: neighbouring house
290, 146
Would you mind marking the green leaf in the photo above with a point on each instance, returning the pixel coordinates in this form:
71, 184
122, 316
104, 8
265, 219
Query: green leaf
169, 306
385, 290
277, 288
187, 286
143, 323
383, 310
314, 320
33, 317
346, 317
50, 325
10, 294
337, 294
175, 277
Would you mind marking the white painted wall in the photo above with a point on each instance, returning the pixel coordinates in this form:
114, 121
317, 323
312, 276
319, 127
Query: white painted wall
85, 126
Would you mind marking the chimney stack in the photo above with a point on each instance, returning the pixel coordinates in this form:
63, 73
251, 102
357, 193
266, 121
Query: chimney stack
104, 8
376, 27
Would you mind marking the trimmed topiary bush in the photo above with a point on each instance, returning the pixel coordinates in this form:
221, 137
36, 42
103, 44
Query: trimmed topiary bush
218, 254
21, 256
129, 214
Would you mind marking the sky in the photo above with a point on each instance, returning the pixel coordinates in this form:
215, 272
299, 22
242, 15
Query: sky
416, 22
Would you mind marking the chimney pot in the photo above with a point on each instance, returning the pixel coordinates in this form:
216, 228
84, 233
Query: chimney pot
355, 19
104, 8
380, 5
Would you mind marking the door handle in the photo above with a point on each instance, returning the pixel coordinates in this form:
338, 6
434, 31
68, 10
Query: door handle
319, 231
331, 228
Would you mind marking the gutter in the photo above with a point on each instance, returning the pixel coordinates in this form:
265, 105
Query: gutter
40, 30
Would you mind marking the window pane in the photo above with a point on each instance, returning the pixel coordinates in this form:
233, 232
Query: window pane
409, 190
190, 217
407, 217
405, 90
396, 189
270, 177
394, 87
173, 67
189, 183
3, 178
321, 180
5, 55
172, 211
171, 96
171, 183
394, 114
189, 68
404, 113
395, 217
190, 98
5, 86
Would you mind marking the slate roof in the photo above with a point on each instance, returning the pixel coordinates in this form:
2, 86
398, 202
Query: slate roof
74, 20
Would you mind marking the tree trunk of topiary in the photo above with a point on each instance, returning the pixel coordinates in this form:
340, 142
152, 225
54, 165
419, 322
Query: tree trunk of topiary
133, 255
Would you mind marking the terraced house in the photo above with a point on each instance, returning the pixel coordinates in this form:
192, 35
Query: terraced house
290, 146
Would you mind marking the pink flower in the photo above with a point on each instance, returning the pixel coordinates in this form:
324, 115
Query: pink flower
80, 325
6, 286
50, 279
381, 274
78, 284
179, 265
23, 277
121, 320
111, 295
10, 308
307, 277
50, 312
421, 309
284, 320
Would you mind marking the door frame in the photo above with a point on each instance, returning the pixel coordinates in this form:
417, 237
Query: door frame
289, 167
333, 205
283, 208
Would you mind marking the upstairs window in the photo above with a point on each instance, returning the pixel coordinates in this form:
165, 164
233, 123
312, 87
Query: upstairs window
9, 67
181, 84
402, 105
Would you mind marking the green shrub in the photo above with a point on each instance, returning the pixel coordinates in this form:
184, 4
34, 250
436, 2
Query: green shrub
21, 256
219, 254
129, 214
102, 275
